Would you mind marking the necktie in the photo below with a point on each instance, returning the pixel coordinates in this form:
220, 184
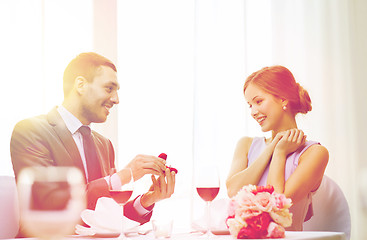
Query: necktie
93, 166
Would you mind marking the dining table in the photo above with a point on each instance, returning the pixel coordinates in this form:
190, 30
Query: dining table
293, 235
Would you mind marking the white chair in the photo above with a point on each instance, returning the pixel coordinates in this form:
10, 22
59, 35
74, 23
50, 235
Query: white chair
330, 208
9, 207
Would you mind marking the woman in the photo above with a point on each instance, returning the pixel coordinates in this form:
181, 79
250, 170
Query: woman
287, 161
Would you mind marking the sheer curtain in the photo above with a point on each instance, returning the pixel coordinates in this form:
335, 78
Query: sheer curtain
156, 73
321, 42
203, 94
38, 40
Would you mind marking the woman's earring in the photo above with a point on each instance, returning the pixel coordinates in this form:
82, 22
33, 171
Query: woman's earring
284, 107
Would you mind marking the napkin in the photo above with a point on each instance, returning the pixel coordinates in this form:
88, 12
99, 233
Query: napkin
107, 218
218, 216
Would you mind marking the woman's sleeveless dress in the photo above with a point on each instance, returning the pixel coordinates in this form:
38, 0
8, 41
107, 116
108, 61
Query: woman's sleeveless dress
302, 210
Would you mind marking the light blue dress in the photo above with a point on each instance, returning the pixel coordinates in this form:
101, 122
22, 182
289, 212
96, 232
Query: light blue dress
302, 210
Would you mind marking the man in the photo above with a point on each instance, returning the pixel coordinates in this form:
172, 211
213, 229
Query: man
56, 139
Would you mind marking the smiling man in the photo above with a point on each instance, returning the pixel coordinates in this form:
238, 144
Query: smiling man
60, 138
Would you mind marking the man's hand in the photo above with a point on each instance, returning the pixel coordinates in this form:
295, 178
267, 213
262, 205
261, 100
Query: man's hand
144, 164
162, 188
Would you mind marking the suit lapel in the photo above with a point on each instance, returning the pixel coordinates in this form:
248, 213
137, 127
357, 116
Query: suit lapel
66, 138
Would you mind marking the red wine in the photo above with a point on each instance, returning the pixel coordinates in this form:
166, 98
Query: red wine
208, 194
121, 196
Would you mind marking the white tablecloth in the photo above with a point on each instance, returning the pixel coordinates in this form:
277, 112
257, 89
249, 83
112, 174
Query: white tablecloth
305, 235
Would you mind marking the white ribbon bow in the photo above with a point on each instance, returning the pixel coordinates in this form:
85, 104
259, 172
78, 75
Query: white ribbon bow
107, 218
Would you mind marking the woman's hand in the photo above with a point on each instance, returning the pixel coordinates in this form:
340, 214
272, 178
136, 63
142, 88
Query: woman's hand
289, 141
286, 142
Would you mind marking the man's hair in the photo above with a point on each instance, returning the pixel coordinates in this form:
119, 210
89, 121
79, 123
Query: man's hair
85, 65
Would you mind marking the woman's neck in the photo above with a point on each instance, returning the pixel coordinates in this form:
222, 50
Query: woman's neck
288, 125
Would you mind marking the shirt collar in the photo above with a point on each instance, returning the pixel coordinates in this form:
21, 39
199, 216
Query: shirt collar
71, 122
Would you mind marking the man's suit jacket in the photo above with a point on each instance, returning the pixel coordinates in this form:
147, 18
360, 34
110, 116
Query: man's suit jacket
46, 141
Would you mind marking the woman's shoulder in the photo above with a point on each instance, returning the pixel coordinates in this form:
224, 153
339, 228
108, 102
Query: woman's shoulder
316, 147
245, 143
248, 140
245, 140
316, 152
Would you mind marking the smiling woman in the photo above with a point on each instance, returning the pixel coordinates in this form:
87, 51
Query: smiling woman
285, 93
286, 161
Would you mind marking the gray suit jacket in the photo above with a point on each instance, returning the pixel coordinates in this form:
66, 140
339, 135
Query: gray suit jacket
45, 141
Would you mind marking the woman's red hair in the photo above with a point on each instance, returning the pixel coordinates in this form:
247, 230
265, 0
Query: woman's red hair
279, 81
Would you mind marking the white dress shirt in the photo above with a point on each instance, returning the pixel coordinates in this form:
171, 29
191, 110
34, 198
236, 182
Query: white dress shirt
73, 124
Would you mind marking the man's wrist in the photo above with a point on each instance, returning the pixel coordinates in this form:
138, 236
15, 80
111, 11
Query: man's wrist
124, 175
142, 211
146, 200
113, 181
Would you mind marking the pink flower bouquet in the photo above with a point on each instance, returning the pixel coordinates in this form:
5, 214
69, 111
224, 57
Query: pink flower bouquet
259, 212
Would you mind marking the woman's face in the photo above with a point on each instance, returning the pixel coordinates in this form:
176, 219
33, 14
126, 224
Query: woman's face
100, 96
266, 109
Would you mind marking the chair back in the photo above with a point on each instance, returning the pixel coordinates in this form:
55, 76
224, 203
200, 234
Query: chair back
330, 209
9, 207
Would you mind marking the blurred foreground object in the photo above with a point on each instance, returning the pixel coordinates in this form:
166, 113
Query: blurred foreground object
9, 208
51, 200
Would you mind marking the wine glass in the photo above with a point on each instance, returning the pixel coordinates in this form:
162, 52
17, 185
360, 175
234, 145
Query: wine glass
207, 185
51, 200
123, 194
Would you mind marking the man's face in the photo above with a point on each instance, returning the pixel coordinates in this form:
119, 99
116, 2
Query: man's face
100, 96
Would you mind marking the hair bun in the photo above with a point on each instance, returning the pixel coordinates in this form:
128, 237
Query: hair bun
304, 100
279, 81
